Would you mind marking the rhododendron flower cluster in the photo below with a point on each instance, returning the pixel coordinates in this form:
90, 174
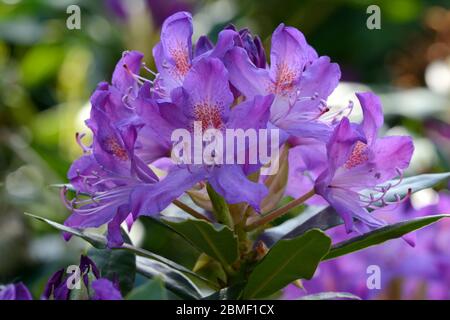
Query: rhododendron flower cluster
226, 85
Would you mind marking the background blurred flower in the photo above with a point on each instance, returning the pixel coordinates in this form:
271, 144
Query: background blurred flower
420, 272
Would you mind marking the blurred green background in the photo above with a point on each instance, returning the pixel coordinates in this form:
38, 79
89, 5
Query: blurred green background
48, 73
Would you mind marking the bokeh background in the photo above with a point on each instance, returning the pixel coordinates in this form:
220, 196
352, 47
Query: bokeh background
48, 72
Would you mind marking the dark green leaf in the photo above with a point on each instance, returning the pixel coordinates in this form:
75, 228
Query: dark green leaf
313, 217
287, 261
99, 242
381, 235
116, 264
175, 281
217, 241
96, 240
153, 289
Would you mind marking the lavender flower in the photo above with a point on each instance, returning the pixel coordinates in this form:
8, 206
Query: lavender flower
205, 97
403, 274
300, 80
174, 55
97, 288
17, 291
358, 160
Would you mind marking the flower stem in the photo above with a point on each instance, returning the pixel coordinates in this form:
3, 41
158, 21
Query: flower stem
189, 210
280, 211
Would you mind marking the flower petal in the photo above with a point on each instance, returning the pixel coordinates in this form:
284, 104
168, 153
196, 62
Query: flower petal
373, 114
245, 76
232, 184
208, 91
289, 54
151, 199
318, 80
129, 65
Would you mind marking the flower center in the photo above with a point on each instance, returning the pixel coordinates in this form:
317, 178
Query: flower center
113, 147
284, 82
181, 59
358, 156
210, 116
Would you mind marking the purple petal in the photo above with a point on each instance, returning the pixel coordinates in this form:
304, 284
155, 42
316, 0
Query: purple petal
232, 184
114, 235
151, 199
203, 45
173, 55
123, 77
53, 282
251, 113
209, 93
16, 291
392, 153
289, 54
373, 114
318, 80
225, 42
341, 143
245, 76
105, 290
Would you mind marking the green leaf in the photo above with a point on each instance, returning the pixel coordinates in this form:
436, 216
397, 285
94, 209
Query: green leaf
217, 241
174, 280
99, 241
153, 289
415, 183
116, 264
381, 235
287, 261
96, 240
319, 217
330, 296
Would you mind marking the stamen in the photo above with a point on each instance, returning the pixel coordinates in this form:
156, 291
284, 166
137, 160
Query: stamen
358, 155
78, 137
140, 80
148, 69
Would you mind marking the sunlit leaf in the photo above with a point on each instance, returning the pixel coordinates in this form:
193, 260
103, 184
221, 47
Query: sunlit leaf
381, 235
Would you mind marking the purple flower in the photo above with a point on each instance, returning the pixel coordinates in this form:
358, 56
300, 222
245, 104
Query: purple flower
105, 176
403, 274
105, 290
118, 8
300, 80
162, 9
205, 98
307, 159
17, 291
57, 287
252, 45
358, 160
174, 55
